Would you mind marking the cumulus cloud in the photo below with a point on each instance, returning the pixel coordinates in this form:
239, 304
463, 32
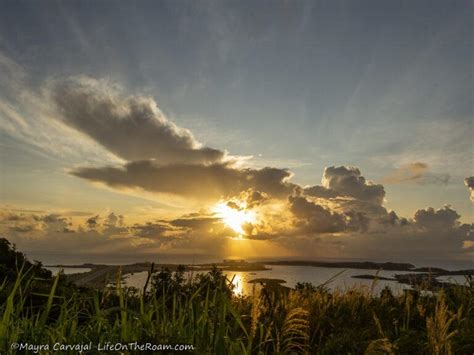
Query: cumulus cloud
46, 234
413, 244
105, 235
313, 218
444, 218
253, 198
300, 224
417, 172
431, 234
320, 191
348, 182
344, 217
131, 127
469, 181
196, 181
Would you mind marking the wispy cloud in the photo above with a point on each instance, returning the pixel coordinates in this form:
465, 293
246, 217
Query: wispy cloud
28, 116
418, 173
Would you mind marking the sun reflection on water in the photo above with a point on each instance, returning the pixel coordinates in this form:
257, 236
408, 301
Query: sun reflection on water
237, 283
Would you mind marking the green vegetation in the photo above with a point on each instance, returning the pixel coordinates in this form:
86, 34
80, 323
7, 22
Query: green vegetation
203, 312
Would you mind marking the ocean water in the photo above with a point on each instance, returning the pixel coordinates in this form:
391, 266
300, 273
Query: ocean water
67, 270
333, 278
456, 279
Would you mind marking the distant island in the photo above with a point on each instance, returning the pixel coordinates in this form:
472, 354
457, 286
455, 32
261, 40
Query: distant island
347, 264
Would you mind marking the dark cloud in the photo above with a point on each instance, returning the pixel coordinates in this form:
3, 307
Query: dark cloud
15, 217
52, 218
392, 219
411, 243
469, 181
348, 181
151, 230
196, 181
92, 222
24, 223
357, 221
131, 127
313, 218
444, 218
320, 191
55, 223
373, 211
195, 223
22, 229
417, 173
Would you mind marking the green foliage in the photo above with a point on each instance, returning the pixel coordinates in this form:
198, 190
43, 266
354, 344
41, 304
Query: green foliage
203, 312
12, 261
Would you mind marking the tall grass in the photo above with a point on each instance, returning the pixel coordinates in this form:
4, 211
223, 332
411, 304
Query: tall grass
205, 313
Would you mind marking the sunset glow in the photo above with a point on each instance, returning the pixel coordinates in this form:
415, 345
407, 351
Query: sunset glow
225, 161
235, 218
264, 134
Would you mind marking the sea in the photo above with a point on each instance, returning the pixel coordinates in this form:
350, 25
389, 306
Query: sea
335, 279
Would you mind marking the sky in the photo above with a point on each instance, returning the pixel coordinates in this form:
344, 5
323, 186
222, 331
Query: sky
316, 129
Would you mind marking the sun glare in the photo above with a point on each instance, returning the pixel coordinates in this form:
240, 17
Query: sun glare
235, 218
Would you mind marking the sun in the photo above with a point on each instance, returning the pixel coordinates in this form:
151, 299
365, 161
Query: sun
234, 218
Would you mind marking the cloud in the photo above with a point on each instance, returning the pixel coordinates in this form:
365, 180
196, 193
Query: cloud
198, 223
320, 191
417, 173
25, 118
151, 230
113, 220
346, 181
160, 157
344, 217
26, 223
207, 182
253, 198
469, 181
103, 234
313, 218
299, 225
411, 243
429, 218
131, 127
92, 222
22, 229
